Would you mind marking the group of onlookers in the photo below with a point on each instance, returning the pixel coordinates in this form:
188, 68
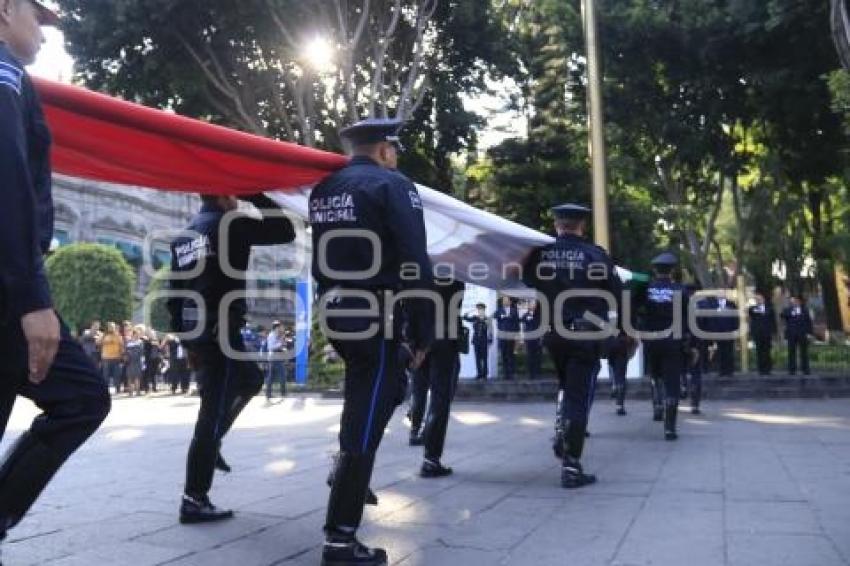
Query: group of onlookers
133, 359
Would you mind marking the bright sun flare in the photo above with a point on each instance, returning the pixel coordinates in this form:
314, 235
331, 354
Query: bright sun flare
319, 54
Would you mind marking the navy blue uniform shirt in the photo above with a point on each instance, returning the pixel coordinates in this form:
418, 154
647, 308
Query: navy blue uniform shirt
26, 215
507, 319
369, 198
212, 283
480, 329
798, 322
573, 263
762, 322
659, 307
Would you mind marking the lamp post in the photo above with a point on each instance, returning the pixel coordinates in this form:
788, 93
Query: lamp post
596, 127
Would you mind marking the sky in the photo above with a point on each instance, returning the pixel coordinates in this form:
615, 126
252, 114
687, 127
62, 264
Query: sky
54, 63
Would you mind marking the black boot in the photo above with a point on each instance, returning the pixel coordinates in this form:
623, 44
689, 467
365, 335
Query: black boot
27, 468
201, 510
371, 498
621, 410
415, 438
572, 474
670, 411
432, 469
346, 550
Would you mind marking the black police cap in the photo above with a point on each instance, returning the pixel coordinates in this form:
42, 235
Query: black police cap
570, 210
665, 260
373, 130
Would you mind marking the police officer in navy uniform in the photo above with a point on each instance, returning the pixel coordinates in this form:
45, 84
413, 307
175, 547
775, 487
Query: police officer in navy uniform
729, 324
665, 340
40, 358
226, 384
441, 370
369, 244
507, 323
572, 264
481, 339
762, 330
798, 326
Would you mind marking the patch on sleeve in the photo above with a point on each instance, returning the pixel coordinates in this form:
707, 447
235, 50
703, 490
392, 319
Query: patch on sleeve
11, 76
415, 199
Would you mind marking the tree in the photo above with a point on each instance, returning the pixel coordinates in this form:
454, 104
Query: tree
295, 70
90, 282
157, 316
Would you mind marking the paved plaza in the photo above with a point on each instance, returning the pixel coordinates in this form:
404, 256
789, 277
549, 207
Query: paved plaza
748, 484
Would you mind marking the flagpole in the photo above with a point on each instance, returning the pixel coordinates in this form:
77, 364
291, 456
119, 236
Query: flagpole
596, 127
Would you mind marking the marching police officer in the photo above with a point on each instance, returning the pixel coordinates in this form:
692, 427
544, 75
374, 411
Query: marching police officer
40, 359
574, 264
619, 353
762, 329
798, 326
481, 339
665, 342
441, 370
369, 242
227, 384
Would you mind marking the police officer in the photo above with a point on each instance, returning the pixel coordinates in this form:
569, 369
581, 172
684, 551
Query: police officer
530, 320
443, 366
574, 264
226, 384
40, 359
665, 339
369, 242
762, 330
507, 323
798, 326
481, 338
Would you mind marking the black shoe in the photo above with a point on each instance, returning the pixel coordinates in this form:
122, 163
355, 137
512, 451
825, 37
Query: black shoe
670, 435
352, 553
658, 415
621, 411
201, 510
573, 477
434, 470
415, 440
695, 410
221, 464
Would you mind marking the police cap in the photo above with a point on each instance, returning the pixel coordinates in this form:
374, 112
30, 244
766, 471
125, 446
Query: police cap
46, 16
666, 259
373, 130
570, 211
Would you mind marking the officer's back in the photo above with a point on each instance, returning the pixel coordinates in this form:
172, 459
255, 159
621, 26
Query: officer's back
385, 207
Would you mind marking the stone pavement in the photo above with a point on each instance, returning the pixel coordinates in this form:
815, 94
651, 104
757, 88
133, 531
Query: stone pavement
748, 483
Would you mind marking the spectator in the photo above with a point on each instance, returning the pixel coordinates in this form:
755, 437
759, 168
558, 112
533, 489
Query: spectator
134, 353
152, 359
91, 341
533, 344
276, 346
112, 354
178, 365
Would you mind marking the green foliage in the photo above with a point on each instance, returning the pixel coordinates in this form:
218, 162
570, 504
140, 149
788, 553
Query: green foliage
158, 317
90, 282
